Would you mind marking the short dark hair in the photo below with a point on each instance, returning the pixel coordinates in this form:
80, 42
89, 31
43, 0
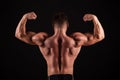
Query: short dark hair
59, 18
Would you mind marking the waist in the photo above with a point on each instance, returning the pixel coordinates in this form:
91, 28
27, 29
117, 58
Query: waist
53, 71
61, 77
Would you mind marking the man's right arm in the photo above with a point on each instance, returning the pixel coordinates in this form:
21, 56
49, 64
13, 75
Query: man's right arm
88, 38
98, 32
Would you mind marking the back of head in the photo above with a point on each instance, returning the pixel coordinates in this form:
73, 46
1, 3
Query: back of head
59, 18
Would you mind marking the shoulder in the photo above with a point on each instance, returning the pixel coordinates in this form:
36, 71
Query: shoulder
78, 36
39, 38
40, 35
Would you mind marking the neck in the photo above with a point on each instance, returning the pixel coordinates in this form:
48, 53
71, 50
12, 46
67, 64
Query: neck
59, 31
63, 32
56, 31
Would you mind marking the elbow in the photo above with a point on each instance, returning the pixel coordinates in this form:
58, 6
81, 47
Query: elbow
18, 35
101, 37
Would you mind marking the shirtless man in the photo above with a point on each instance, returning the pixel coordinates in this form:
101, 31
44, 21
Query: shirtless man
60, 50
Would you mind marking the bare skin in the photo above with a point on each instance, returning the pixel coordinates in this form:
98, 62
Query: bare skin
60, 50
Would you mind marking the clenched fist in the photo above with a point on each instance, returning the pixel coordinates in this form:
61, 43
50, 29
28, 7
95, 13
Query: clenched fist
30, 15
89, 17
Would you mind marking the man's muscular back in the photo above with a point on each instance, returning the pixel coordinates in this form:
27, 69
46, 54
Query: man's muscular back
60, 56
59, 50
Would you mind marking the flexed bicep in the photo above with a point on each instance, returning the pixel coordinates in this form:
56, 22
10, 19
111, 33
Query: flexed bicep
98, 33
27, 38
21, 33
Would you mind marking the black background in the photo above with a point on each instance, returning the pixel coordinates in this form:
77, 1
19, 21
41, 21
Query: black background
23, 62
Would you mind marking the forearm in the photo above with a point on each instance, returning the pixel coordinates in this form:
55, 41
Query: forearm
98, 30
21, 28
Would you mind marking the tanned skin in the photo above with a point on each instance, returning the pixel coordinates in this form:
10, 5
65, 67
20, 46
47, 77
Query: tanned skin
59, 50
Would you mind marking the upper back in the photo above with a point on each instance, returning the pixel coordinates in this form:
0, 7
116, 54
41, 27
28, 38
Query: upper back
66, 41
